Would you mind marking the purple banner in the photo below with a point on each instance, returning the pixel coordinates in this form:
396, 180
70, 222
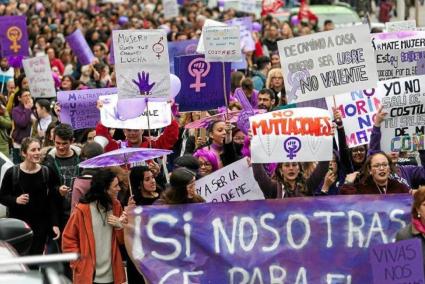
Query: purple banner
78, 108
179, 48
294, 240
401, 262
14, 36
202, 83
80, 47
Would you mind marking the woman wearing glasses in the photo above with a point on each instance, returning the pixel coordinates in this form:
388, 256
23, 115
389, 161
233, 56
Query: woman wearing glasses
412, 176
208, 161
375, 178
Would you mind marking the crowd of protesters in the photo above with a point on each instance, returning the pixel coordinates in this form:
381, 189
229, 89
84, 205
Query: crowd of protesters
83, 209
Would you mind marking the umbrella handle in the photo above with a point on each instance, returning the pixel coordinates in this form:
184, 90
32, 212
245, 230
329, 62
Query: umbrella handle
149, 125
127, 166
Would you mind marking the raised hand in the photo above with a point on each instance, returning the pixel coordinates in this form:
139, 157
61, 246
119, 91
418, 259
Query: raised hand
143, 83
380, 116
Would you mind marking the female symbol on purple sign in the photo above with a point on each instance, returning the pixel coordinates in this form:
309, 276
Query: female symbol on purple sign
198, 68
292, 145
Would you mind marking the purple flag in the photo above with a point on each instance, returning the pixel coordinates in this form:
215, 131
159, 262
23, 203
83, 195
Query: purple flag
179, 48
78, 107
400, 262
79, 46
292, 240
202, 83
14, 36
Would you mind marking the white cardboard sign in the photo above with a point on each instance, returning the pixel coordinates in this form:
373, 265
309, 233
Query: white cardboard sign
40, 77
291, 135
234, 182
328, 63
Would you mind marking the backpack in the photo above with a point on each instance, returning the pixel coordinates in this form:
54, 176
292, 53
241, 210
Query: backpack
15, 176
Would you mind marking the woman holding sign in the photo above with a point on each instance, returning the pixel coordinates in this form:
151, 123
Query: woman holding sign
375, 178
288, 181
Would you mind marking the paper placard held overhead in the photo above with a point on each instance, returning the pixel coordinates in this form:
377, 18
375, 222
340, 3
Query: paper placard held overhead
141, 60
222, 44
328, 63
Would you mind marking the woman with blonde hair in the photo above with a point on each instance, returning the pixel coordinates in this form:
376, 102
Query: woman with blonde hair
275, 83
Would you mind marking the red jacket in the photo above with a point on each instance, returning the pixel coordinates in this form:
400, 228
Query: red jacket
166, 141
78, 237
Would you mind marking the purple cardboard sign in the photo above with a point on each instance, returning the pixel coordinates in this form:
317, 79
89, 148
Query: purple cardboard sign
201, 83
14, 38
313, 240
78, 107
400, 262
80, 47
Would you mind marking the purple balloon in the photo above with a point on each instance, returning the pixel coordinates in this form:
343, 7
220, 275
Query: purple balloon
256, 27
130, 108
175, 85
122, 20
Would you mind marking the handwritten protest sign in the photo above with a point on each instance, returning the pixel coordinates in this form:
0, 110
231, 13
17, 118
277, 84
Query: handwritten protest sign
404, 127
222, 44
409, 25
398, 40
141, 59
79, 107
171, 8
202, 85
328, 63
399, 63
179, 48
208, 23
291, 135
400, 262
80, 47
235, 182
265, 241
40, 77
159, 115
358, 111
14, 36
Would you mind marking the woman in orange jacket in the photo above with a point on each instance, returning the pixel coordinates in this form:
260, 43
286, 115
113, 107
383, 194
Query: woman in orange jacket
94, 230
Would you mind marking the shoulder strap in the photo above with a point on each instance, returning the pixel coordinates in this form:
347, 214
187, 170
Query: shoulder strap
15, 176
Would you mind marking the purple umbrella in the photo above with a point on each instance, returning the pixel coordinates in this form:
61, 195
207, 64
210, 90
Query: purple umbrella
124, 156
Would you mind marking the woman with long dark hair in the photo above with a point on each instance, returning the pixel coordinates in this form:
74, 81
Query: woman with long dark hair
44, 118
220, 142
27, 190
22, 121
145, 192
94, 230
288, 181
144, 186
374, 178
182, 189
